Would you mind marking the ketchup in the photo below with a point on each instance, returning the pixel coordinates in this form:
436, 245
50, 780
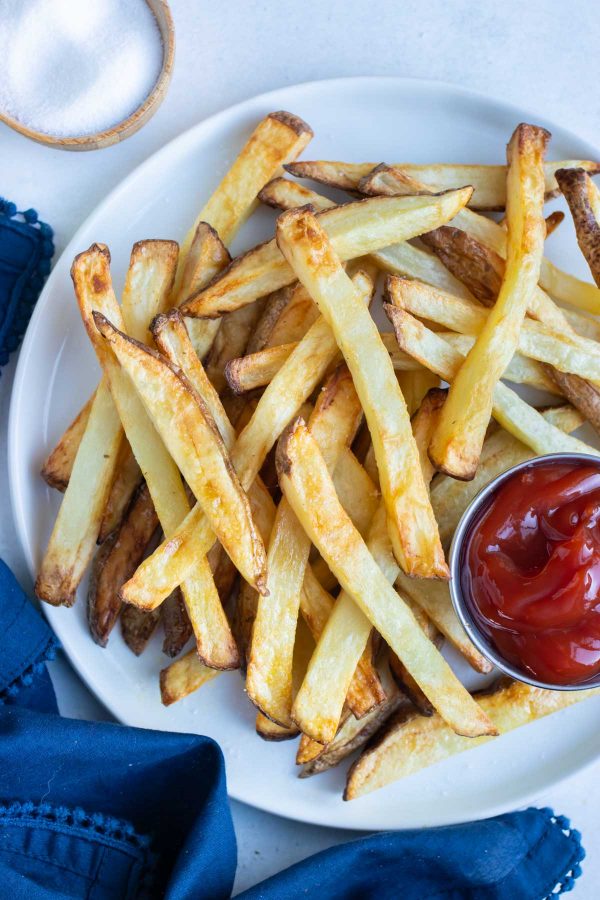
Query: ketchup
530, 571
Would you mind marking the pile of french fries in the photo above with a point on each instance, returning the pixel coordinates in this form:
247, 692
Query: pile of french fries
277, 482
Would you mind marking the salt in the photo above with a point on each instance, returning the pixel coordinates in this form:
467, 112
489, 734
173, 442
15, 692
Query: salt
72, 67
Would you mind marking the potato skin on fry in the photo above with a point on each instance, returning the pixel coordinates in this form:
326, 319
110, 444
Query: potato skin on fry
115, 562
578, 190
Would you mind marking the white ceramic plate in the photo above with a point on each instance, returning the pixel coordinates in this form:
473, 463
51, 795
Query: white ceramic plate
355, 119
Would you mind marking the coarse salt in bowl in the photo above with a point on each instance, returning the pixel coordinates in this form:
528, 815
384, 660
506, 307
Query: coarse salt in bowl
81, 76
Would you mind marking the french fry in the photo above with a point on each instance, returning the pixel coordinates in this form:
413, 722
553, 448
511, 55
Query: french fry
193, 441
411, 742
513, 413
568, 353
333, 423
127, 479
583, 198
309, 489
230, 341
115, 561
457, 442
58, 465
274, 307
390, 182
176, 624
501, 451
489, 182
183, 677
138, 626
79, 520
206, 257
402, 677
355, 229
277, 139
94, 292
295, 381
412, 526
356, 491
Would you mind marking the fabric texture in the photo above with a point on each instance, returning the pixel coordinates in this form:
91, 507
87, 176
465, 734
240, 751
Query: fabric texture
104, 812
26, 249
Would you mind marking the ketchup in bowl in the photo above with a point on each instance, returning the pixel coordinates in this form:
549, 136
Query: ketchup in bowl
530, 570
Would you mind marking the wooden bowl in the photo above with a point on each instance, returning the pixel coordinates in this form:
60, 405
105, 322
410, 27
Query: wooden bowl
144, 112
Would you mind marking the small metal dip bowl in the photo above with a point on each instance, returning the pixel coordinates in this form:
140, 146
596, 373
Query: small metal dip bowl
461, 604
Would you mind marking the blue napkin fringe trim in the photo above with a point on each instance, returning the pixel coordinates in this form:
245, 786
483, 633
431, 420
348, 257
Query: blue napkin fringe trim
114, 831
37, 667
567, 883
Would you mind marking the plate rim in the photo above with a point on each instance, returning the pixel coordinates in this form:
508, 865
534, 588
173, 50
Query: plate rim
17, 508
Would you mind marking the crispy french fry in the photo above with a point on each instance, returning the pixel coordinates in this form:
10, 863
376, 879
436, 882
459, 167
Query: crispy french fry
333, 423
176, 624
295, 381
489, 182
402, 677
79, 518
206, 257
183, 677
411, 742
277, 139
274, 307
230, 341
93, 289
457, 442
127, 479
355, 229
58, 466
356, 491
412, 526
583, 198
513, 413
568, 353
195, 444
115, 561
309, 489
423, 423
138, 626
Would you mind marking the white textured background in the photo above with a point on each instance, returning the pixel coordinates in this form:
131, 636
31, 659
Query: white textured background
541, 54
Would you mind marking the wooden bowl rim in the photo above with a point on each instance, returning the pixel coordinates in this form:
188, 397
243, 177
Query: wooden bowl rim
137, 118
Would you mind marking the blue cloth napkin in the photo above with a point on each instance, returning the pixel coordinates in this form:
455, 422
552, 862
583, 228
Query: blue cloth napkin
104, 812
26, 249
101, 811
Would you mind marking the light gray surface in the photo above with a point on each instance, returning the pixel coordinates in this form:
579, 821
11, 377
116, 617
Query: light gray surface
541, 55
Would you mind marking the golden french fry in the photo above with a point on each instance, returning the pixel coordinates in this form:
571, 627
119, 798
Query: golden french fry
411, 742
206, 257
457, 442
58, 465
412, 526
277, 139
127, 479
308, 487
333, 423
513, 413
489, 182
357, 493
355, 229
195, 444
183, 677
295, 381
230, 340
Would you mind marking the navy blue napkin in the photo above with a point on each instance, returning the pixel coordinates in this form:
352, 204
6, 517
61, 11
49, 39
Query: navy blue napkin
26, 249
101, 811
104, 812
